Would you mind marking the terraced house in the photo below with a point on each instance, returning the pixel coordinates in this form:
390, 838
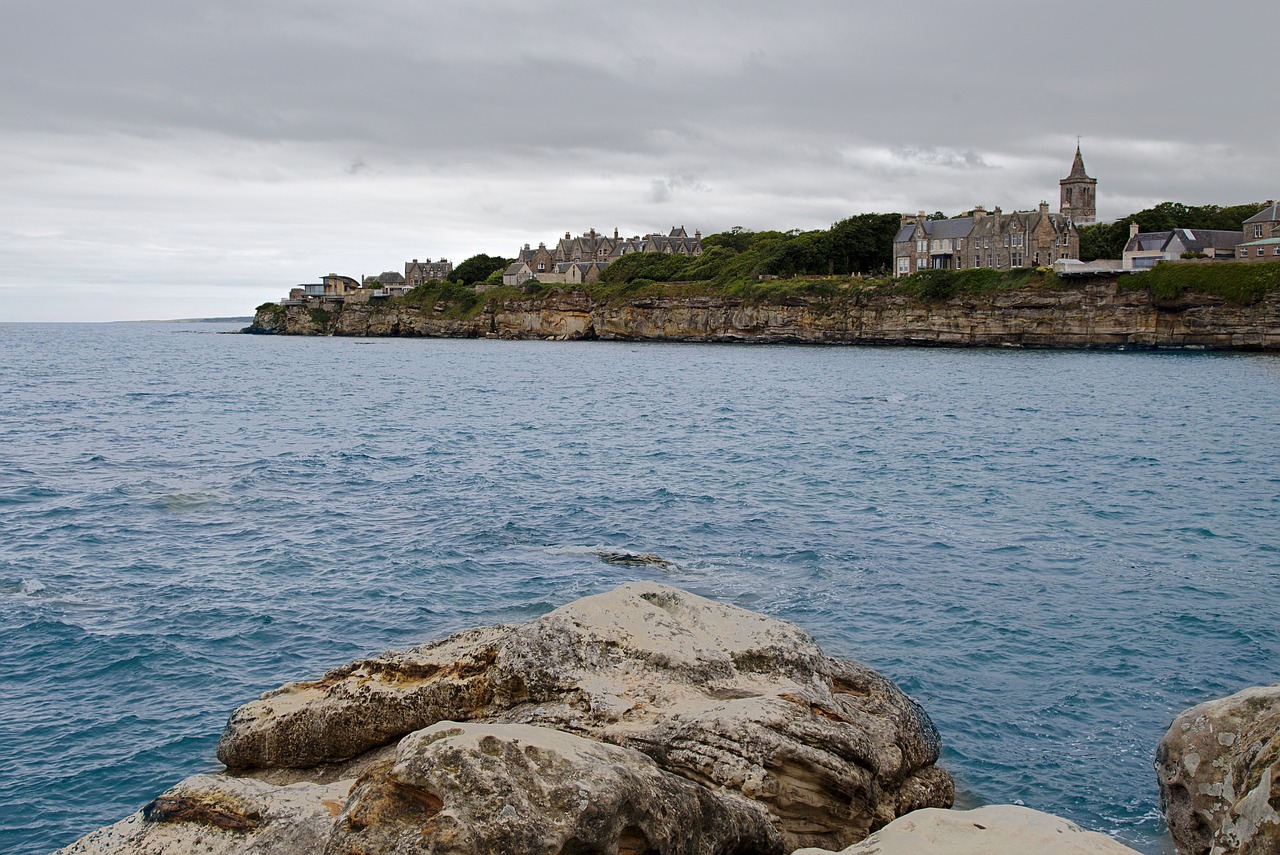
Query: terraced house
996, 239
577, 260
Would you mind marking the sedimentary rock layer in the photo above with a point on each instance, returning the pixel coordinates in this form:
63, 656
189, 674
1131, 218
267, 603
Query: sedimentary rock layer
1094, 315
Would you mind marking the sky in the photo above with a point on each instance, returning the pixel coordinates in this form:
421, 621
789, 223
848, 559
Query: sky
162, 159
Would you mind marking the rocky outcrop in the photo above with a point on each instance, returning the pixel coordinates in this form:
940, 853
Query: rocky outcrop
617, 723
1098, 314
991, 830
1219, 774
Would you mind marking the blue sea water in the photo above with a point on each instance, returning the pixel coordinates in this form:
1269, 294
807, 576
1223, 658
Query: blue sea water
1054, 552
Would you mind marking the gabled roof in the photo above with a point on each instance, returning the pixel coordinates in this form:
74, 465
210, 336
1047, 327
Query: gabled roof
1192, 240
1269, 214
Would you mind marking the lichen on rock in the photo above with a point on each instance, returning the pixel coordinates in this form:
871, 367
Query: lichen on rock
1219, 773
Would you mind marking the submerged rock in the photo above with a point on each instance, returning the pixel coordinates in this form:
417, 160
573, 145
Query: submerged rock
668, 707
1219, 774
990, 830
633, 559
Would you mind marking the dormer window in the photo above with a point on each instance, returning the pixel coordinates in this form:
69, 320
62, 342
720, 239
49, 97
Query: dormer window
1257, 231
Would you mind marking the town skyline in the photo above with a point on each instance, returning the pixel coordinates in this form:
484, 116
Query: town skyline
182, 162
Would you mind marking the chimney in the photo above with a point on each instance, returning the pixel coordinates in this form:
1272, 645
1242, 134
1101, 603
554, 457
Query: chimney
615, 232
1133, 229
978, 212
1044, 208
697, 234
415, 261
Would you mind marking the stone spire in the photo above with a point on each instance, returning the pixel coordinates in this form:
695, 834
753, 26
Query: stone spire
1077, 168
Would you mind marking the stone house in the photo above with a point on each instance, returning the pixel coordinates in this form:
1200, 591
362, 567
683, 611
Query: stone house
1261, 235
516, 274
998, 240
1146, 249
386, 279
416, 272
593, 248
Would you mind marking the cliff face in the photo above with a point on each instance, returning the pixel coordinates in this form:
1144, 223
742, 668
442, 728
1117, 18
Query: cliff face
1097, 315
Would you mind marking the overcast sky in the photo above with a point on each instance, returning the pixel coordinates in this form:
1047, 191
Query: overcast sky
164, 159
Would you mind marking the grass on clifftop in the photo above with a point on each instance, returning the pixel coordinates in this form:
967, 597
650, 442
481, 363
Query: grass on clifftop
622, 283
1237, 281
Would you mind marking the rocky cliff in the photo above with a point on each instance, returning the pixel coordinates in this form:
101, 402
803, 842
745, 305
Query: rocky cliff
1099, 314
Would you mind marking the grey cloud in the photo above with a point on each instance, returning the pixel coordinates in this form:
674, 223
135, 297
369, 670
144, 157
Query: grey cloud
502, 120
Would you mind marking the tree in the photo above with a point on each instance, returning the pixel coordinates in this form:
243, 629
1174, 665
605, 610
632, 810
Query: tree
477, 268
1107, 240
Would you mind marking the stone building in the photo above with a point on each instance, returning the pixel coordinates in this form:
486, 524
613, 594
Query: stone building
416, 272
1077, 193
996, 239
594, 249
1261, 235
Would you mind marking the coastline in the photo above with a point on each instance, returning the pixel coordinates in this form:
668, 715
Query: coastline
1098, 314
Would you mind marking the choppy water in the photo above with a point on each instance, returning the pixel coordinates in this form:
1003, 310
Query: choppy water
1054, 552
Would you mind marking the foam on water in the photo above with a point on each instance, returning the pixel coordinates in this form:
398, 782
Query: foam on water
1054, 552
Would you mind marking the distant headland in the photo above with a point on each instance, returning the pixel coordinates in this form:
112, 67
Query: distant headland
1173, 276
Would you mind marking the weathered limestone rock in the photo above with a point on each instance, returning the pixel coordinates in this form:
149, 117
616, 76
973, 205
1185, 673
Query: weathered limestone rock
991, 830
471, 788
1219, 774
716, 694
638, 721
219, 815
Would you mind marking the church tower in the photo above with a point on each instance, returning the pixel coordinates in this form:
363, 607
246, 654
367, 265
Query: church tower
1078, 198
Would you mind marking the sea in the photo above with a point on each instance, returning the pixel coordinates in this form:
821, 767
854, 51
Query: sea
1054, 552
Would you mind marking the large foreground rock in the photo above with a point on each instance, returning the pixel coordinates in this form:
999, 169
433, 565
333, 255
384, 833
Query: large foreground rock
1219, 773
661, 710
991, 830
455, 789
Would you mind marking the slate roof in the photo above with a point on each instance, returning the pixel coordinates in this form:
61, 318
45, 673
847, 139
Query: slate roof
1270, 214
1194, 240
1077, 167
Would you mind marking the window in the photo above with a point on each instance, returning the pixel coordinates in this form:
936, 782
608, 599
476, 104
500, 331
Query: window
1277, 252
1257, 231
977, 261
921, 245
1261, 252
904, 265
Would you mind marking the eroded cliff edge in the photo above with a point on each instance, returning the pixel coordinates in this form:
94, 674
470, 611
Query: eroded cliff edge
1098, 314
